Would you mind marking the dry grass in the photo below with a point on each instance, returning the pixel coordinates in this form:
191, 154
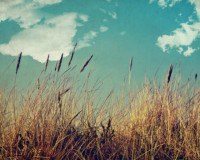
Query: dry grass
57, 121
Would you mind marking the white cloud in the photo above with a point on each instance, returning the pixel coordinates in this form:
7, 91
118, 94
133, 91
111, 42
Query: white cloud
189, 51
122, 33
47, 2
113, 15
180, 50
103, 28
22, 11
171, 3
85, 42
165, 3
183, 36
102, 10
54, 37
84, 18
197, 6
162, 3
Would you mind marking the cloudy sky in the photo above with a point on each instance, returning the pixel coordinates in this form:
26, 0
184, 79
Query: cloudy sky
154, 32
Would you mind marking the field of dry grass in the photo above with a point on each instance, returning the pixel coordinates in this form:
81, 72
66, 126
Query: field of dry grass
55, 120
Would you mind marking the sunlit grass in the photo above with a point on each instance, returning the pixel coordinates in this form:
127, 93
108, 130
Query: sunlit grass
58, 120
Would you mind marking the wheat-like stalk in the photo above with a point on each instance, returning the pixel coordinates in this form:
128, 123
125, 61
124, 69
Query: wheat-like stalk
72, 55
196, 77
46, 64
169, 73
56, 66
86, 63
130, 68
60, 62
18, 62
131, 64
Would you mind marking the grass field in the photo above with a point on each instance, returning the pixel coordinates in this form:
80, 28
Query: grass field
55, 120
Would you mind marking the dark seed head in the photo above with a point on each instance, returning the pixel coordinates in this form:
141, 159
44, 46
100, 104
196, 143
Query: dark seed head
196, 77
170, 73
72, 55
86, 63
60, 62
18, 62
47, 61
131, 64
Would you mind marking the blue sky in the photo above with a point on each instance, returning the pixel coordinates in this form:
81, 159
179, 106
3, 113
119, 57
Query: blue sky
155, 32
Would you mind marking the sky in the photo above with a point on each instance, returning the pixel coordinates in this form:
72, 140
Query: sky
156, 33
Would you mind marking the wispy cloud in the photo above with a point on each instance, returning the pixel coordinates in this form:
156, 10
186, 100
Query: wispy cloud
86, 41
165, 3
196, 3
47, 2
113, 15
122, 33
84, 18
103, 28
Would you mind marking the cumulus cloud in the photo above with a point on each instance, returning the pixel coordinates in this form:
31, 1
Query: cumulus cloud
53, 37
22, 11
185, 35
103, 28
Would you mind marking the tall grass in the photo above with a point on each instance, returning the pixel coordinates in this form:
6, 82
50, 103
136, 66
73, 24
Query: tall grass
57, 121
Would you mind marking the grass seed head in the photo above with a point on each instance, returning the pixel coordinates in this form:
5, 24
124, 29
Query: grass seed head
86, 63
196, 77
72, 55
60, 62
47, 61
18, 62
169, 73
131, 64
